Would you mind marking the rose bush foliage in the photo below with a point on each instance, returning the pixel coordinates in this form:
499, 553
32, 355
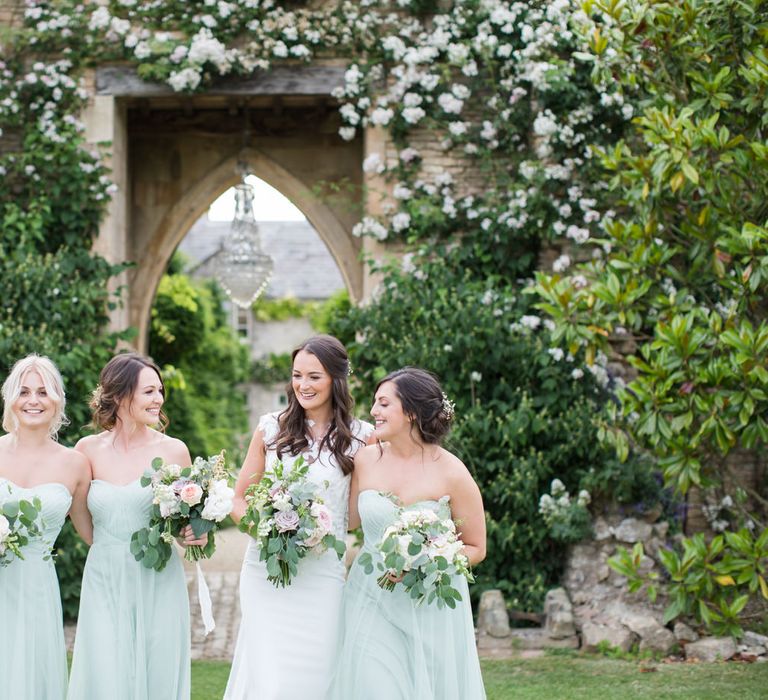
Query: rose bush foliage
684, 277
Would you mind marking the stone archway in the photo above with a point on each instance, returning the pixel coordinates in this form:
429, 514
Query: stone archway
172, 155
163, 238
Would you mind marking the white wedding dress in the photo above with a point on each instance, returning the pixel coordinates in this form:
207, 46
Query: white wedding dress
286, 646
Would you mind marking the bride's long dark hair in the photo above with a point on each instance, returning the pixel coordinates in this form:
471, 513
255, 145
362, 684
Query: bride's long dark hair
292, 434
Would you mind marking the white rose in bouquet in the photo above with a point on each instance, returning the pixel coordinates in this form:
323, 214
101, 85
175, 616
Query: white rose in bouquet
166, 499
219, 503
5, 531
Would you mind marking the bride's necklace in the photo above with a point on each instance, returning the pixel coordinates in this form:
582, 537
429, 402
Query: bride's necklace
316, 437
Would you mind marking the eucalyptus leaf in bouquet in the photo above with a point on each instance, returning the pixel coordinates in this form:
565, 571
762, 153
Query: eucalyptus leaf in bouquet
422, 552
20, 521
199, 496
288, 520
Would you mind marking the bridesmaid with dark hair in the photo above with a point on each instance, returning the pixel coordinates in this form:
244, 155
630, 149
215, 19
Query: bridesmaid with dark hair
286, 646
394, 648
132, 638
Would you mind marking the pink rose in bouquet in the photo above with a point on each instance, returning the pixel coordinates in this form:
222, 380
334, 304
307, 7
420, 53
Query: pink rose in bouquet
191, 494
287, 520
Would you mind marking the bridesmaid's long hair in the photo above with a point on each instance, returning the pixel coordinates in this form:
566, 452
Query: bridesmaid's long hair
117, 382
292, 434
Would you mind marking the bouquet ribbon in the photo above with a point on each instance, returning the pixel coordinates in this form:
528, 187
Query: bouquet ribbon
204, 598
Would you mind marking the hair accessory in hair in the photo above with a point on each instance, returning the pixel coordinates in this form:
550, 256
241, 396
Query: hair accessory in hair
97, 394
448, 407
349, 368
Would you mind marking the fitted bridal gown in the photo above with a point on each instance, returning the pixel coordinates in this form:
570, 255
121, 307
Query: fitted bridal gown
286, 646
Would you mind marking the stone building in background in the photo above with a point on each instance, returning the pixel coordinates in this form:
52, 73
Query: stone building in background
303, 270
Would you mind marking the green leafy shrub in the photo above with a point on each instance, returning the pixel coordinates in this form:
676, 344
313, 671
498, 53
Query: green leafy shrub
682, 281
710, 580
523, 416
203, 362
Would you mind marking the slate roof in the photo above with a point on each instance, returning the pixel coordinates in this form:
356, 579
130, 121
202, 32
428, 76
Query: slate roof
304, 267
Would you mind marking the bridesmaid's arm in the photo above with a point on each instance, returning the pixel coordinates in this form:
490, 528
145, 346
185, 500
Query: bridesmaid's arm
354, 492
468, 513
363, 459
78, 512
250, 473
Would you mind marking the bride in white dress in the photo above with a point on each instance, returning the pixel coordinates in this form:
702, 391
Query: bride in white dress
286, 646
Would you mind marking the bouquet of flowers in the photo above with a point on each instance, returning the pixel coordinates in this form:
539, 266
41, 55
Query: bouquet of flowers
19, 521
199, 496
288, 521
424, 551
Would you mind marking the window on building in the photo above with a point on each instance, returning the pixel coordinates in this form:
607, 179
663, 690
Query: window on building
243, 322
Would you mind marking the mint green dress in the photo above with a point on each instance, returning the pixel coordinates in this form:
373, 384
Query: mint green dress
393, 649
132, 640
33, 658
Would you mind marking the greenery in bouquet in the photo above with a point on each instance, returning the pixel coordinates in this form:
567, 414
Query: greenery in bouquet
198, 496
288, 520
422, 551
19, 522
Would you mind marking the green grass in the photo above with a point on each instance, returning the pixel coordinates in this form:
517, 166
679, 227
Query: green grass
209, 678
575, 677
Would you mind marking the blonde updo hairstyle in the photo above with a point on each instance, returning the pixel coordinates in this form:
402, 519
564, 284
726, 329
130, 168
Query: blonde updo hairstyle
117, 382
54, 387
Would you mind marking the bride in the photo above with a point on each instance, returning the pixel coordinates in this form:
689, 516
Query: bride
286, 646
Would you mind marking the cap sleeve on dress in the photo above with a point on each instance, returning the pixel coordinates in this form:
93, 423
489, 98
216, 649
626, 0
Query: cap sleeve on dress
362, 430
268, 426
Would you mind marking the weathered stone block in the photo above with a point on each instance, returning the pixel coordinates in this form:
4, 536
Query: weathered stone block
601, 530
632, 530
558, 612
754, 639
711, 649
537, 638
592, 634
684, 633
492, 615
659, 640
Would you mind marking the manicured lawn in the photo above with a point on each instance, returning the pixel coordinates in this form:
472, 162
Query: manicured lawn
575, 678
597, 678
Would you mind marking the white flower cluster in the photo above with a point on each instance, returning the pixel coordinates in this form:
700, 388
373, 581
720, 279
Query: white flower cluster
553, 505
5, 533
717, 513
174, 487
439, 537
218, 504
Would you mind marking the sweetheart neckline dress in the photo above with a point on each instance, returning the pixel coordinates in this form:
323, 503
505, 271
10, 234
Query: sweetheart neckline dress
391, 648
132, 640
33, 658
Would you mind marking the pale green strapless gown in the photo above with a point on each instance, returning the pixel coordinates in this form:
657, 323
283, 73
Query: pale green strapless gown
132, 640
393, 649
33, 658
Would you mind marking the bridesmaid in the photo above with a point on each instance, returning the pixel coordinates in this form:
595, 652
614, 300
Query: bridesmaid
286, 645
391, 648
33, 660
132, 638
